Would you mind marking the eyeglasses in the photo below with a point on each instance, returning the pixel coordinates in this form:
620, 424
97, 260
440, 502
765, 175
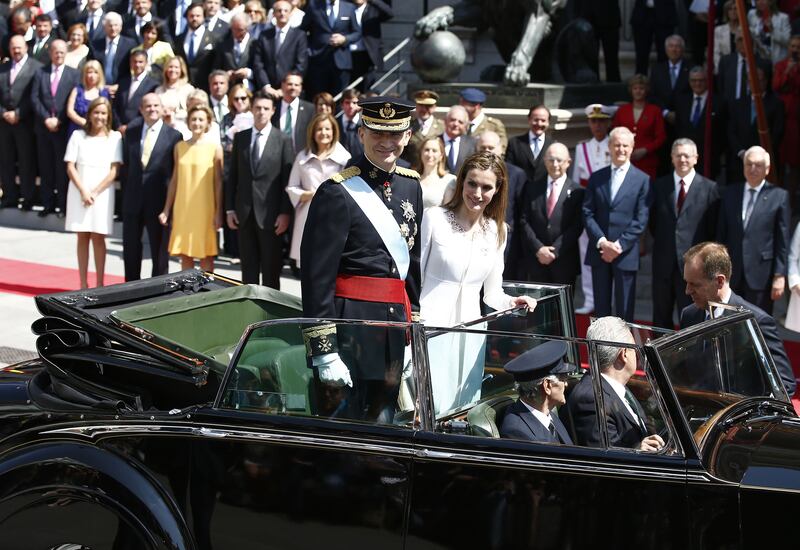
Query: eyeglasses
252, 11
240, 98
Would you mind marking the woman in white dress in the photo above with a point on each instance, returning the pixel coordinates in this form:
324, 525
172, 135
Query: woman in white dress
438, 185
462, 253
93, 157
793, 313
324, 157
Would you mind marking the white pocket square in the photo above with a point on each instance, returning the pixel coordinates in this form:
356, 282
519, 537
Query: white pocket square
345, 18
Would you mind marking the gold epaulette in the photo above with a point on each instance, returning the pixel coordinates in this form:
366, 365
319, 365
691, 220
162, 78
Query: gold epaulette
346, 174
407, 172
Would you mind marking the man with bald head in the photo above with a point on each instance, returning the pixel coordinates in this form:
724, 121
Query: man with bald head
550, 222
457, 144
17, 144
51, 88
491, 142
147, 156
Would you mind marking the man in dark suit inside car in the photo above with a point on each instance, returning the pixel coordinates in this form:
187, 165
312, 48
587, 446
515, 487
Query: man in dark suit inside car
626, 421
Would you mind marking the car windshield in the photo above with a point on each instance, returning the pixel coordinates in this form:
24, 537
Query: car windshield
715, 368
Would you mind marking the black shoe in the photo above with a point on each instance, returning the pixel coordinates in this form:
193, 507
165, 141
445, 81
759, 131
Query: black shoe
45, 212
25, 206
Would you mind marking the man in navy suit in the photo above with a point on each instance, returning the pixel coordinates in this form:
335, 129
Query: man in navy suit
540, 378
332, 28
17, 141
526, 150
280, 49
51, 88
754, 225
690, 120
132, 88
142, 13
197, 46
550, 222
112, 51
707, 271
148, 158
669, 79
92, 16
368, 52
683, 212
615, 215
625, 419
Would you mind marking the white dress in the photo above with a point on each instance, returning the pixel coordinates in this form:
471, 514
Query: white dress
455, 267
793, 313
93, 156
308, 173
433, 193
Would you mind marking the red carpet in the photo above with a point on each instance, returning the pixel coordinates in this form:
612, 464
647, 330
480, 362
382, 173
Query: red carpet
30, 279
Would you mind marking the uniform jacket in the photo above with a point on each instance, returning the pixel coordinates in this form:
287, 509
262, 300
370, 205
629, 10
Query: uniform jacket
519, 423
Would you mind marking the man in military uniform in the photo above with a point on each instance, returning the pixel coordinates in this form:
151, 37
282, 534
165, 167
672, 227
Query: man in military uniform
590, 156
472, 99
361, 260
423, 125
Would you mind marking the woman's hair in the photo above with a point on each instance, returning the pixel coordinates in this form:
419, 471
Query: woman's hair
94, 105
312, 129
726, 8
232, 93
206, 109
441, 170
638, 80
326, 98
158, 26
184, 77
496, 209
78, 27
93, 64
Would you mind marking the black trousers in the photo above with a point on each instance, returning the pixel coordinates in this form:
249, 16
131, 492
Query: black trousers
362, 66
604, 278
324, 76
668, 290
644, 34
260, 252
133, 225
50, 147
609, 39
17, 156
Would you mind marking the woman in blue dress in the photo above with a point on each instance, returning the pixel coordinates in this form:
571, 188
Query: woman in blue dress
92, 86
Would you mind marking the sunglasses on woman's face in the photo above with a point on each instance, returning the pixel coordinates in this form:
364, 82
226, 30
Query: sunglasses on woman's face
240, 98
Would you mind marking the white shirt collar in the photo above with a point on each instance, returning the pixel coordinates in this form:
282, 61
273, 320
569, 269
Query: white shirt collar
687, 180
532, 137
478, 119
156, 126
558, 182
18, 65
624, 168
758, 188
724, 299
540, 416
448, 139
264, 131
618, 388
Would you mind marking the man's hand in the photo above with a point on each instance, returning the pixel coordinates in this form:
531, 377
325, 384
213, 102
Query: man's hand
609, 251
10, 116
333, 371
546, 255
244, 72
272, 91
337, 40
233, 220
51, 123
281, 224
670, 118
778, 286
112, 90
651, 443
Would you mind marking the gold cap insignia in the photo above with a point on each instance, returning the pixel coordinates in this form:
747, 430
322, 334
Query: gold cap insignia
387, 111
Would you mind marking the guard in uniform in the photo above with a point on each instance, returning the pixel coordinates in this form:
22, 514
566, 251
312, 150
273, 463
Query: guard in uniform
590, 156
472, 99
361, 260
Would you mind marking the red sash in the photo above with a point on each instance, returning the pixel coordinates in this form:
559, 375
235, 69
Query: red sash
374, 289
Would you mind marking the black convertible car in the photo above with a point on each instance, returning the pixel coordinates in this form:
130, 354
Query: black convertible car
179, 412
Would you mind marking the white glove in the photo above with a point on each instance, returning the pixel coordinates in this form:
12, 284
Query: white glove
332, 370
408, 364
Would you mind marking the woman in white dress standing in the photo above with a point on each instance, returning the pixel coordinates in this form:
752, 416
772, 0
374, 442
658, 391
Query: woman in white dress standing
438, 185
93, 157
793, 313
323, 157
462, 253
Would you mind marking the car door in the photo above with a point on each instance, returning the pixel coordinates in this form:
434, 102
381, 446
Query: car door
274, 463
472, 488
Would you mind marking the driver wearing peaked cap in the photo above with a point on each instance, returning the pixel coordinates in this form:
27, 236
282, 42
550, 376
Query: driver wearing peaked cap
541, 381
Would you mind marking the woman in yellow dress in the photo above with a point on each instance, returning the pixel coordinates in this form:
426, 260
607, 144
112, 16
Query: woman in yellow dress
194, 196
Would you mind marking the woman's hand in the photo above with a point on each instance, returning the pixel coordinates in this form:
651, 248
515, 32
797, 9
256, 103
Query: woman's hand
306, 196
163, 218
87, 197
524, 301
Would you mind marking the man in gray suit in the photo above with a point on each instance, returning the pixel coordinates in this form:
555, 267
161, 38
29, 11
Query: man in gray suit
17, 142
457, 144
255, 198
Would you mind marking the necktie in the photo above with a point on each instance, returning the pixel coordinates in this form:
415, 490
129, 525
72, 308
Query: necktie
255, 153
696, 112
615, 183
190, 54
552, 430
751, 200
12, 76
673, 75
681, 197
752, 111
552, 199
147, 146
218, 114
536, 147
331, 15
111, 51
287, 124
451, 157
55, 81
134, 87
37, 47
180, 20
237, 52
634, 405
91, 26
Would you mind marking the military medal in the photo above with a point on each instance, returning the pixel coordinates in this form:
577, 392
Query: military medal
387, 191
